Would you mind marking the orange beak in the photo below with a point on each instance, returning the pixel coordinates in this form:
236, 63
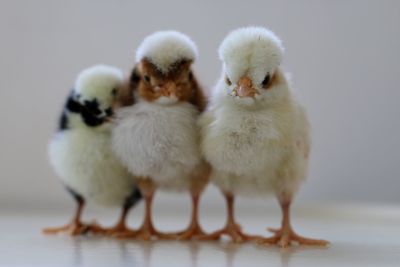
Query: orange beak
168, 89
245, 88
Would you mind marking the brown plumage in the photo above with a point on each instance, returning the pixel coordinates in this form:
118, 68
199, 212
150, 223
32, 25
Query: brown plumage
179, 81
125, 95
168, 102
187, 86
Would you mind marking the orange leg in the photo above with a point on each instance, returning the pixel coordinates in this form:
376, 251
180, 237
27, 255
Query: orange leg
285, 235
199, 182
147, 230
194, 230
232, 229
120, 228
75, 227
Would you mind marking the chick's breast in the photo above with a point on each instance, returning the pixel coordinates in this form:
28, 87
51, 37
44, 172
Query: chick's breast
241, 143
160, 142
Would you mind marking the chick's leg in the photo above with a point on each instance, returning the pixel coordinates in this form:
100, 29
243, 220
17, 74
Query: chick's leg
147, 230
285, 235
232, 229
120, 228
75, 227
194, 230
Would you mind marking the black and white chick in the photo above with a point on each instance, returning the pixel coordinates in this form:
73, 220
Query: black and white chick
81, 155
255, 133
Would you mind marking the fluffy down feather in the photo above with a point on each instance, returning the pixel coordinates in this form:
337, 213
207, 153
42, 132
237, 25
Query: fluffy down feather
84, 161
255, 146
256, 151
98, 82
167, 151
81, 155
253, 49
165, 48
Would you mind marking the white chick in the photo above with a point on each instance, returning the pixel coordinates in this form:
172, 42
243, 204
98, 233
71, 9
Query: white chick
81, 154
255, 134
157, 138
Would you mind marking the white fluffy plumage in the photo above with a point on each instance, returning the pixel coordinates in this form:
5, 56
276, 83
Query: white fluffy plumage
85, 163
255, 145
98, 82
253, 49
165, 48
159, 141
81, 155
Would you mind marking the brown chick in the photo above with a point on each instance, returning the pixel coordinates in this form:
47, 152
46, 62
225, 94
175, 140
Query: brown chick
157, 138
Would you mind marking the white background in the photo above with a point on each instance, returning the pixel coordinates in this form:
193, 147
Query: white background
343, 56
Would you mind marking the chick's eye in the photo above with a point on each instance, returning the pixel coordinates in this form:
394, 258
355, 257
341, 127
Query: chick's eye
190, 76
228, 81
114, 91
147, 78
266, 80
135, 77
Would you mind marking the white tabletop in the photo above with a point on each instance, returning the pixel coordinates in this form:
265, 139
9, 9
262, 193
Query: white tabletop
360, 236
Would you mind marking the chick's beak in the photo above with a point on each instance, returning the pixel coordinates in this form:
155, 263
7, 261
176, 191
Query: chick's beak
245, 88
168, 89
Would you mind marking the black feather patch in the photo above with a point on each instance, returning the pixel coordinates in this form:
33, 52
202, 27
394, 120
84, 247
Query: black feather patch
133, 198
89, 110
75, 195
93, 106
63, 122
109, 112
71, 105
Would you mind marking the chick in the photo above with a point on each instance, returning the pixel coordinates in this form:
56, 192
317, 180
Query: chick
255, 134
81, 154
157, 137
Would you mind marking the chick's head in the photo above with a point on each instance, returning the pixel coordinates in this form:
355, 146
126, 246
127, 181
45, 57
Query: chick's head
165, 88
96, 89
251, 58
163, 70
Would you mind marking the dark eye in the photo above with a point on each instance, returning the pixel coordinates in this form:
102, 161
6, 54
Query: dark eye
266, 80
147, 78
190, 76
227, 81
114, 91
134, 77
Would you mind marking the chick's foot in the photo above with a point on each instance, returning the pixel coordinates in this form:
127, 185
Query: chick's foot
285, 237
234, 231
72, 229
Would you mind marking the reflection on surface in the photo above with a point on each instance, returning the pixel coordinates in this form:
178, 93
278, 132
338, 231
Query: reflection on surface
360, 237
106, 252
90, 251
